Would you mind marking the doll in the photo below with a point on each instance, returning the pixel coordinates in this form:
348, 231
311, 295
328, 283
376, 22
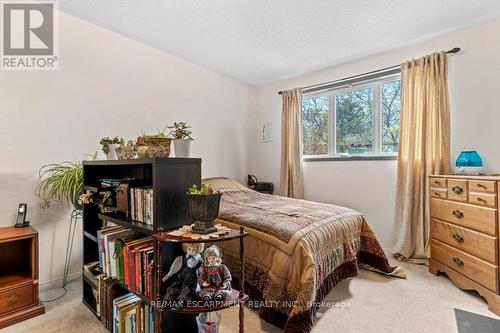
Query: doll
181, 282
215, 277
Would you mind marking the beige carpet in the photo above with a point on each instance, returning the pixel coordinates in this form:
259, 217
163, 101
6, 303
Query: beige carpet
367, 303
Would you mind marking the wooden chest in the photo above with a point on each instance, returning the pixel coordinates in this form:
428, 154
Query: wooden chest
464, 223
18, 275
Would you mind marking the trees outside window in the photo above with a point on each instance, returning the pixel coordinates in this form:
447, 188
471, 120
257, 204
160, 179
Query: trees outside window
358, 120
315, 124
391, 104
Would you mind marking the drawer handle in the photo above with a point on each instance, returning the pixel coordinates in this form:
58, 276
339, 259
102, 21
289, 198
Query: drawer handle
437, 194
12, 299
437, 182
458, 261
482, 186
481, 200
458, 238
458, 214
457, 189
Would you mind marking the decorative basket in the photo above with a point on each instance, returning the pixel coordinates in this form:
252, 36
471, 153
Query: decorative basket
158, 147
126, 152
142, 151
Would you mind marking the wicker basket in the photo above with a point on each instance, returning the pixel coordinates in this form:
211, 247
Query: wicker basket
142, 151
126, 152
158, 147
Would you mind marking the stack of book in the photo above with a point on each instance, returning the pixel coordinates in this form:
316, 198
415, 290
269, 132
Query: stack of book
108, 183
132, 315
128, 257
141, 204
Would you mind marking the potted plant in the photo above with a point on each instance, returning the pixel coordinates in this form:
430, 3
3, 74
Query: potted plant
204, 208
158, 145
62, 182
141, 148
109, 147
126, 152
181, 134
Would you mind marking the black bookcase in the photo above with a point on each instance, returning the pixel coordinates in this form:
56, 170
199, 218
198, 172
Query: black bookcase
170, 179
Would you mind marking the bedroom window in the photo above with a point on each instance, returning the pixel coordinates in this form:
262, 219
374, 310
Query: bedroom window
359, 120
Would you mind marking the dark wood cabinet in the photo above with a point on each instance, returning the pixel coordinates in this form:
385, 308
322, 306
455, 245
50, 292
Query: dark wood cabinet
19, 286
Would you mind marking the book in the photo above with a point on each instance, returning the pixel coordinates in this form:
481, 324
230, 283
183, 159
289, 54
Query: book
147, 262
138, 267
111, 238
126, 258
120, 253
99, 298
118, 303
101, 246
124, 318
131, 314
132, 247
109, 243
113, 290
141, 204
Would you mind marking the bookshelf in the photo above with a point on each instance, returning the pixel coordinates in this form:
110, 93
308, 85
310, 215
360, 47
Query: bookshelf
170, 179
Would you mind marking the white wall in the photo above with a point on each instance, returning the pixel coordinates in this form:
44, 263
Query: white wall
108, 85
369, 186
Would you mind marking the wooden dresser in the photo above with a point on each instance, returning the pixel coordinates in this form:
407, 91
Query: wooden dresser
18, 275
464, 233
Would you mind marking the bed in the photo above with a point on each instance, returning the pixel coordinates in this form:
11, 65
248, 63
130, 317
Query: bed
297, 251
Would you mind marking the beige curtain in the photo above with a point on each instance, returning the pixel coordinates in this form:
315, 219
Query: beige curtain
424, 149
291, 180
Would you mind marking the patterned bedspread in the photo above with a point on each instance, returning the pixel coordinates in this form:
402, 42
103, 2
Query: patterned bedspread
296, 252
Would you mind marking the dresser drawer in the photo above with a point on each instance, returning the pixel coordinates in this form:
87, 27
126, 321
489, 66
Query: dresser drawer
470, 241
483, 199
439, 193
457, 189
437, 182
482, 186
478, 218
474, 268
16, 298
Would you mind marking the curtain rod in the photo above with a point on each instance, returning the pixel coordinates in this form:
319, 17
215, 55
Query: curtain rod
453, 50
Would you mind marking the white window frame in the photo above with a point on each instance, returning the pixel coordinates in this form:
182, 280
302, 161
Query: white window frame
377, 153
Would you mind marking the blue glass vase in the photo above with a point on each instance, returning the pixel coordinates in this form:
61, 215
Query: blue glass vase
469, 162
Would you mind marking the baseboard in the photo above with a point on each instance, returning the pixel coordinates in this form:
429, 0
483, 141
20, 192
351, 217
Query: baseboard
57, 283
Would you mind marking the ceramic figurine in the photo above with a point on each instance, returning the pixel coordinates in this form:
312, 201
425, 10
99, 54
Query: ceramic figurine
182, 279
215, 277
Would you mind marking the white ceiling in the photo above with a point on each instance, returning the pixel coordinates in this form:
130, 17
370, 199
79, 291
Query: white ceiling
260, 41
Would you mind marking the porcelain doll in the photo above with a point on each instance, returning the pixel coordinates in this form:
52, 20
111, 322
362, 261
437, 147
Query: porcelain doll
181, 282
215, 277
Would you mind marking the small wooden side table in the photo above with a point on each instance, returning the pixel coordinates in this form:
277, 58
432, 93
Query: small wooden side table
19, 294
237, 297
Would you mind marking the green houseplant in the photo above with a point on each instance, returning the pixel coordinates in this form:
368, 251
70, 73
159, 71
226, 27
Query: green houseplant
62, 182
181, 133
110, 146
204, 208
